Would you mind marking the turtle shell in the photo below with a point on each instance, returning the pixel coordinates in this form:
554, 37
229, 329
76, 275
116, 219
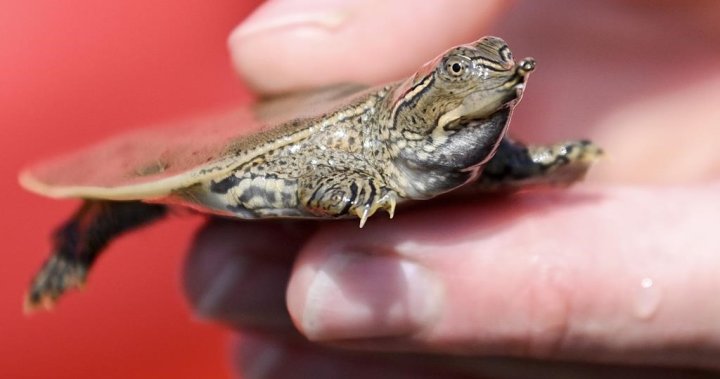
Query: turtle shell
150, 163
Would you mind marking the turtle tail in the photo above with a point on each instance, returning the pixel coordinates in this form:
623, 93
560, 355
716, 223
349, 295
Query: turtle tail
78, 243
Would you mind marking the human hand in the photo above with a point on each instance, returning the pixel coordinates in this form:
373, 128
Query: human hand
621, 270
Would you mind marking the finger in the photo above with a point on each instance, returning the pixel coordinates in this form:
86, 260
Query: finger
262, 356
668, 156
237, 274
651, 111
300, 44
622, 275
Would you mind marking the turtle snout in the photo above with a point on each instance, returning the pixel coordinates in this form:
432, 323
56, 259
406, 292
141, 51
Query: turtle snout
526, 66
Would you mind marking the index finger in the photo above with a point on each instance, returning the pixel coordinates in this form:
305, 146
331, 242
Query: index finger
613, 274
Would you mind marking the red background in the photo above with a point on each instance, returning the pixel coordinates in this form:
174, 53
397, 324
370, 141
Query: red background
72, 73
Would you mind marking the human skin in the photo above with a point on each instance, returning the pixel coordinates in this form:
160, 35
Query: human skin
619, 270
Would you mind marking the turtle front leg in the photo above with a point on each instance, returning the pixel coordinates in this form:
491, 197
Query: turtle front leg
341, 191
78, 243
516, 166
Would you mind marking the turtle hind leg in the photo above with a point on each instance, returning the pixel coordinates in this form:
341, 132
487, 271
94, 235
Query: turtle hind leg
516, 166
78, 243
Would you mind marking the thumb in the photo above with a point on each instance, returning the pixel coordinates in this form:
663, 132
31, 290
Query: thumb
295, 44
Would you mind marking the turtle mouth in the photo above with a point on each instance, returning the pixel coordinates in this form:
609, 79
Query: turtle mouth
519, 77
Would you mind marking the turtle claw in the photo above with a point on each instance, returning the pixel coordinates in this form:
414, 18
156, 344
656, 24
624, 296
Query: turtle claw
58, 275
387, 202
33, 304
363, 213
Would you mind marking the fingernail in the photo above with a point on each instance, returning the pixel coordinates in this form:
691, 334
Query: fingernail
358, 295
324, 14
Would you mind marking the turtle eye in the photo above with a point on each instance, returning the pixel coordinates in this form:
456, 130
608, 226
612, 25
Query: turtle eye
456, 66
506, 54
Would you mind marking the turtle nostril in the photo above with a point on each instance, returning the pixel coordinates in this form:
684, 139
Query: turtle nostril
526, 65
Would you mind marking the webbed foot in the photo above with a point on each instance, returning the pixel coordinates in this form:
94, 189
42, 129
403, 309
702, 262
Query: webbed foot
340, 191
517, 166
57, 275
79, 242
565, 163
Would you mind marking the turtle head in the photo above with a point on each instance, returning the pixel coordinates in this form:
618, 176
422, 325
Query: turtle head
467, 82
454, 111
478, 80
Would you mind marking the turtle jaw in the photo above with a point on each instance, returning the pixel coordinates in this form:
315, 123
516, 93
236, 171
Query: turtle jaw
516, 83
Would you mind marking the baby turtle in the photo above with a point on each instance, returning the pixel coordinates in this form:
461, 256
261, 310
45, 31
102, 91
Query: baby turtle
337, 153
